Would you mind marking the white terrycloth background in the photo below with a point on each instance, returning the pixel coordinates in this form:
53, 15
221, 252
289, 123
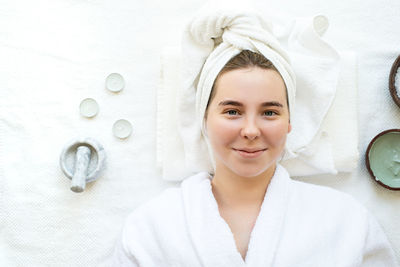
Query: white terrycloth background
55, 53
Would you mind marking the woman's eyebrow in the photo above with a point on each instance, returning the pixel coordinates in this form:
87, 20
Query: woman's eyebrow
230, 103
236, 103
272, 103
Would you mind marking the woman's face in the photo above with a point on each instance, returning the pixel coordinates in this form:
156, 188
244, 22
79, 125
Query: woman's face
247, 121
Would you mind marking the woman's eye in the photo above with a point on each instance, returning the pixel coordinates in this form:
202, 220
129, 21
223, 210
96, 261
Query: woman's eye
269, 113
232, 112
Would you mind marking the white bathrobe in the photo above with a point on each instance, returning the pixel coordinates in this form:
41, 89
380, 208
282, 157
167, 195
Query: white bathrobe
299, 224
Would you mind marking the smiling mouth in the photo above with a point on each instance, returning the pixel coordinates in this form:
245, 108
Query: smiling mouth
249, 154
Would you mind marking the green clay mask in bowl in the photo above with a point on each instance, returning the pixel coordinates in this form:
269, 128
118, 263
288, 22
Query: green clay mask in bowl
383, 158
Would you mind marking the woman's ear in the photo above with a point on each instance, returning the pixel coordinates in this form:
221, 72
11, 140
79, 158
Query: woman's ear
289, 128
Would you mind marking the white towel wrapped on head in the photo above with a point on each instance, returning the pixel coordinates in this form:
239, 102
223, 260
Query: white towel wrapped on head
296, 49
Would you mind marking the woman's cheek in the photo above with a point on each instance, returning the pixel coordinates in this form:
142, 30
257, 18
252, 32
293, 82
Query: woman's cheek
276, 132
225, 129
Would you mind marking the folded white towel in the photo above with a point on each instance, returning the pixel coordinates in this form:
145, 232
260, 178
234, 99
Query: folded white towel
311, 146
335, 147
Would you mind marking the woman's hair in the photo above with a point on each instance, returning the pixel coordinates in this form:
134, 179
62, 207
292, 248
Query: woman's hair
244, 59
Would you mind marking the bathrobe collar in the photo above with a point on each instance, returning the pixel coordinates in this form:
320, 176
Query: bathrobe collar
213, 239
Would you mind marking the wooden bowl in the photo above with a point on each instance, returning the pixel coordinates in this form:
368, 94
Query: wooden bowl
392, 79
383, 159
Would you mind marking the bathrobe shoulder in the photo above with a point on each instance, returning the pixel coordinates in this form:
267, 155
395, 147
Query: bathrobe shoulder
299, 224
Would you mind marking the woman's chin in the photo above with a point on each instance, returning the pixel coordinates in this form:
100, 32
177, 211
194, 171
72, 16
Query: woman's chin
247, 170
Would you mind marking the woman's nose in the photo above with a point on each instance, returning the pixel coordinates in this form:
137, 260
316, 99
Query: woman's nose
250, 129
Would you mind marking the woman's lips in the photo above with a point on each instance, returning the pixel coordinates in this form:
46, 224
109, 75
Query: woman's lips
247, 154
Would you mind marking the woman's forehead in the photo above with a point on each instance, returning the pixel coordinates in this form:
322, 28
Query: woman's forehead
253, 85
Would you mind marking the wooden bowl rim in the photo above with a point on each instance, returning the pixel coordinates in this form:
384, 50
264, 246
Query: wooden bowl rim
392, 80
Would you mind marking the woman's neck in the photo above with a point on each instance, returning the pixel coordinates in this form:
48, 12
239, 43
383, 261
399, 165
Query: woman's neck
234, 191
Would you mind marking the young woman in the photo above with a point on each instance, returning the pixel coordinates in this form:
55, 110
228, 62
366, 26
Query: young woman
249, 212
247, 121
